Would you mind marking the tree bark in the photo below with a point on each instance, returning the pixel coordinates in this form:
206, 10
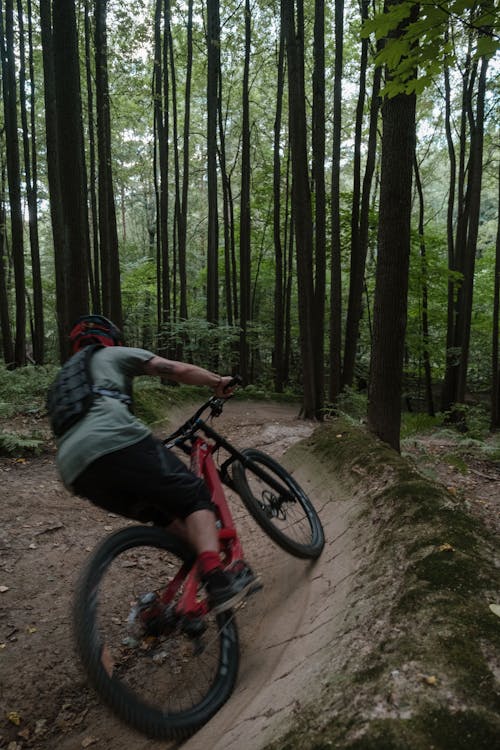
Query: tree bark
425, 293
13, 176
213, 47
301, 200
336, 267
108, 235
54, 176
245, 219
280, 275
495, 380
31, 176
7, 342
391, 284
318, 177
70, 162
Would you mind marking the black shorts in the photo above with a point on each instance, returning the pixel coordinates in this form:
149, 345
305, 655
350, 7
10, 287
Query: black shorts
146, 482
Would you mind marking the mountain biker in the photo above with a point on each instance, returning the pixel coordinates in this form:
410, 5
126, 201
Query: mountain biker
111, 458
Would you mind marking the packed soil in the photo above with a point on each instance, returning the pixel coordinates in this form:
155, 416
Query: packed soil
46, 534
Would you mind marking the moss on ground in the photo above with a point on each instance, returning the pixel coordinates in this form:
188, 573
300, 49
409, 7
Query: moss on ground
433, 569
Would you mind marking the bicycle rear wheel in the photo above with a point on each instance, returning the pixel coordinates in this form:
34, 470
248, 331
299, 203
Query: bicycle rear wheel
167, 685
287, 516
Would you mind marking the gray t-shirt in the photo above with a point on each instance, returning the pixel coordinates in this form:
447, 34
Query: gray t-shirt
109, 425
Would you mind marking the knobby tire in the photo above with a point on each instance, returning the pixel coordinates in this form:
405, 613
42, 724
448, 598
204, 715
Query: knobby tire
132, 546
293, 524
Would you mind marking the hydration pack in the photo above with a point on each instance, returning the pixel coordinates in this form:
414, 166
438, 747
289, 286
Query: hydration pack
72, 393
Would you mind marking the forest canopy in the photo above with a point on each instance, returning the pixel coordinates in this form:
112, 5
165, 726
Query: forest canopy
304, 192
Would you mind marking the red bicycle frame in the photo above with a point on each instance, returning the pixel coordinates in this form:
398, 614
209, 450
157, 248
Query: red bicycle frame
189, 605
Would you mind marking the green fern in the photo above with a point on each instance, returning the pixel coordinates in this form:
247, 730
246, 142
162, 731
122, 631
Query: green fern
14, 444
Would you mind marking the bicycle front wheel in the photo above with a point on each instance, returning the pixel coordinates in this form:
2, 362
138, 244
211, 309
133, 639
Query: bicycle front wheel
282, 509
165, 684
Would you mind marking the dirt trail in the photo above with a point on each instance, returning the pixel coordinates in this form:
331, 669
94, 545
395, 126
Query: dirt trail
45, 535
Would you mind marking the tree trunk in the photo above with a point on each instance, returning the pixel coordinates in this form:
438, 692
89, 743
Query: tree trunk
495, 381
318, 177
30, 170
279, 287
356, 276
54, 177
70, 161
425, 293
336, 268
7, 343
391, 285
110, 259
94, 267
183, 305
469, 203
474, 189
213, 47
245, 268
301, 201
13, 176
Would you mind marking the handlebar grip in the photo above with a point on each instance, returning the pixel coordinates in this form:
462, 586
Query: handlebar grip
237, 380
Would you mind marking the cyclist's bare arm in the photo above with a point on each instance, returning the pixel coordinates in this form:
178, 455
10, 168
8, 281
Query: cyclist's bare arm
188, 374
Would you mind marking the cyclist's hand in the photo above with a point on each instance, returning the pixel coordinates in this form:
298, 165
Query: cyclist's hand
225, 387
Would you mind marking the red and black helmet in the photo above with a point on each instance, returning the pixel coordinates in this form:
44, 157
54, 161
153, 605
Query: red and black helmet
94, 329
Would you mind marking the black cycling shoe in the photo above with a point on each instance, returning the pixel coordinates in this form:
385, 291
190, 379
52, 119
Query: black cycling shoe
228, 587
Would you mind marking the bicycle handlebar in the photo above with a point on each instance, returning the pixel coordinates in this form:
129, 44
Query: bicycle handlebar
216, 406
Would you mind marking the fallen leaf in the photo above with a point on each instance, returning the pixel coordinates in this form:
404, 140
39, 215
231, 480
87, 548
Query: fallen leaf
495, 608
429, 679
24, 734
30, 629
88, 741
446, 548
14, 718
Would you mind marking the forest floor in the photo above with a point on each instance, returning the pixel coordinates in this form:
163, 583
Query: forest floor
45, 535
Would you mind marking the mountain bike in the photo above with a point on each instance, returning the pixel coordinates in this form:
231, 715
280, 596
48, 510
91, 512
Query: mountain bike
173, 677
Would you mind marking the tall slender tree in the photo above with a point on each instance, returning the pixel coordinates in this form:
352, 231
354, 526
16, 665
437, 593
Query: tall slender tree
336, 266
279, 245
9, 92
54, 176
495, 365
245, 248
6, 338
213, 66
318, 181
391, 286
301, 199
95, 265
31, 176
108, 235
183, 305
462, 261
425, 291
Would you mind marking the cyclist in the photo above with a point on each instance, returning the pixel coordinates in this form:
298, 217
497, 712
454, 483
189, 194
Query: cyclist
111, 458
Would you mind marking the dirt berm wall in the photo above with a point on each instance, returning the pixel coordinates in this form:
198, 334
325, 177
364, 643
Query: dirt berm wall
388, 641
414, 661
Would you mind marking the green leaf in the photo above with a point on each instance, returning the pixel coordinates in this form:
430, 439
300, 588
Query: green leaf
487, 47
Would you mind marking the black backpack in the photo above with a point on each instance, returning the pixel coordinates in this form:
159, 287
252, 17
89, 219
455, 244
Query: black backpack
72, 393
